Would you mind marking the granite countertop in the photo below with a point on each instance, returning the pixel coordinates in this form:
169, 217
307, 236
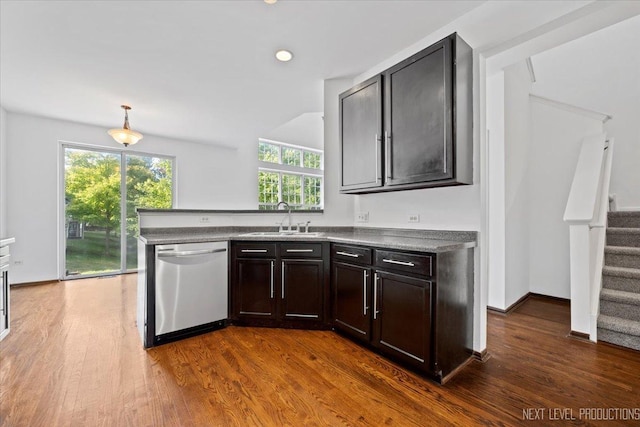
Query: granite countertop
413, 240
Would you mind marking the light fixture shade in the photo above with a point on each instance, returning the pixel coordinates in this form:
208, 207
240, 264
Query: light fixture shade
125, 136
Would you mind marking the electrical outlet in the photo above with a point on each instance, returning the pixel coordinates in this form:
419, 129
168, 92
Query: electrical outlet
204, 219
413, 217
362, 217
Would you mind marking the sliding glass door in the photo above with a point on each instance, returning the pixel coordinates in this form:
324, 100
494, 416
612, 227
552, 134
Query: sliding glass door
101, 192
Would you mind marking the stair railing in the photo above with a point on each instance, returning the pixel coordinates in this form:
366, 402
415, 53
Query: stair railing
586, 214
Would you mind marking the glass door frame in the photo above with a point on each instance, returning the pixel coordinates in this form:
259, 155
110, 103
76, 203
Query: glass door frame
62, 237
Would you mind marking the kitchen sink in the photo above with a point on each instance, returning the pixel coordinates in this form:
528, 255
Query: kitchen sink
280, 234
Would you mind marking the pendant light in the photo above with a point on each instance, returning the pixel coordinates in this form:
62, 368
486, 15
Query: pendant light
125, 136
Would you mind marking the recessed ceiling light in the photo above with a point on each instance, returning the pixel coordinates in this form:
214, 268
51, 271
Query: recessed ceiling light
270, 1
284, 55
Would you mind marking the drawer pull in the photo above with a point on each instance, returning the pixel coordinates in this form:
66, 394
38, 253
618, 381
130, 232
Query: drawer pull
299, 250
254, 251
348, 254
405, 263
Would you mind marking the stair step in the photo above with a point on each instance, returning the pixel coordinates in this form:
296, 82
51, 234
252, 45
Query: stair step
617, 324
617, 236
618, 338
624, 219
621, 279
622, 256
622, 304
619, 331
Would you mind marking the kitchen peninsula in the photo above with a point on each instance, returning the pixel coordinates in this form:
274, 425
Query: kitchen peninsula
407, 294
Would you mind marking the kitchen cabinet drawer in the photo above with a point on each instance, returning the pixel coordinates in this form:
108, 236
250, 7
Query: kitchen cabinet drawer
255, 250
401, 261
301, 250
351, 254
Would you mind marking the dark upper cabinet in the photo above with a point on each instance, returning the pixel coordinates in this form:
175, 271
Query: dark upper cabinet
360, 135
427, 123
418, 105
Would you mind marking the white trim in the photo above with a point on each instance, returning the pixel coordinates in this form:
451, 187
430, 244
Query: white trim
299, 147
532, 72
571, 108
628, 209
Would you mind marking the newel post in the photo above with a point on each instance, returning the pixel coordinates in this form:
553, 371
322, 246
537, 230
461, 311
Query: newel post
580, 278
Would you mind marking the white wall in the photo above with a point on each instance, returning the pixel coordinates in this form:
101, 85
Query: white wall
338, 207
625, 172
509, 126
495, 97
205, 178
3, 173
517, 122
556, 139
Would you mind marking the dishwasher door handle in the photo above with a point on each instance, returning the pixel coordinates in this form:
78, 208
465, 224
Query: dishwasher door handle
181, 254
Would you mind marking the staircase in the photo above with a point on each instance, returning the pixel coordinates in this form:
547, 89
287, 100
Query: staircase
619, 319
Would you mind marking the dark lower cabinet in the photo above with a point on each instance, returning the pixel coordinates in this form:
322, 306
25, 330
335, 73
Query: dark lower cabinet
416, 309
352, 299
279, 284
301, 289
402, 318
254, 288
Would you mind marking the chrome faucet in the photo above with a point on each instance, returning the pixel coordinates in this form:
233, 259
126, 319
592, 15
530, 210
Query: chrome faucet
286, 205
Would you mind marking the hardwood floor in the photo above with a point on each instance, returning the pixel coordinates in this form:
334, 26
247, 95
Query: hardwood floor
74, 358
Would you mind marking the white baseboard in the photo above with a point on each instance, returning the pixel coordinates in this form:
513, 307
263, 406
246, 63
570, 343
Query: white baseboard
628, 208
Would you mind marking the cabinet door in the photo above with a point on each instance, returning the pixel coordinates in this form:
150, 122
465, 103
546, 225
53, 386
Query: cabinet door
402, 318
360, 135
4, 301
351, 300
418, 117
254, 288
301, 286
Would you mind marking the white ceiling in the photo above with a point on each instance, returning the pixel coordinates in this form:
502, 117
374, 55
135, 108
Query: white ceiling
197, 70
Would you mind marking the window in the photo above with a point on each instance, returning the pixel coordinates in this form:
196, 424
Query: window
291, 174
101, 190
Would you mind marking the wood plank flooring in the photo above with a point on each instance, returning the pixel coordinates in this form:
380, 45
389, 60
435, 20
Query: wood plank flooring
74, 358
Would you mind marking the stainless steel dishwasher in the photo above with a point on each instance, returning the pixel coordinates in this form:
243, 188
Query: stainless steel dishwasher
191, 288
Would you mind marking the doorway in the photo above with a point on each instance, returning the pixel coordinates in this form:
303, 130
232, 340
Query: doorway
101, 191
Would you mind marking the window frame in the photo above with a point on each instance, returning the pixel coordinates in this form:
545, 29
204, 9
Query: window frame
285, 169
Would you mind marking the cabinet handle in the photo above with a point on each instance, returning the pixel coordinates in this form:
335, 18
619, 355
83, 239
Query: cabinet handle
387, 155
348, 254
254, 251
375, 296
299, 250
405, 263
364, 292
271, 280
282, 279
377, 148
